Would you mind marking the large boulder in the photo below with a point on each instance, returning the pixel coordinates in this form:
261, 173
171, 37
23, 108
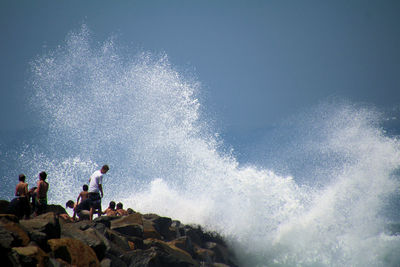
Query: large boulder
73, 251
183, 243
169, 255
89, 236
29, 256
131, 225
46, 223
160, 224
20, 237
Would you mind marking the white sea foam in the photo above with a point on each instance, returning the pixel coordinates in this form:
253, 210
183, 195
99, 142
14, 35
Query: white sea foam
142, 117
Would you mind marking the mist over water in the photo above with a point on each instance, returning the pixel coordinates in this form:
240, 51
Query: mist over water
142, 117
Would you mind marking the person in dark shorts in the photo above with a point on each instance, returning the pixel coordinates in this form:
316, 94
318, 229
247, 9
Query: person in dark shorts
96, 190
21, 204
41, 194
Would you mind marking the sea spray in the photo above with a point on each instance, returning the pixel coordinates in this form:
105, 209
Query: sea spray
142, 117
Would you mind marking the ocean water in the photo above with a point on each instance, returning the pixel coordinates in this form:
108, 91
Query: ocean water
318, 192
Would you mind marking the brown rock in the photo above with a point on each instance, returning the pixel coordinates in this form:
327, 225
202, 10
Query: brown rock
149, 231
8, 218
21, 238
73, 251
90, 237
29, 256
130, 225
169, 254
183, 243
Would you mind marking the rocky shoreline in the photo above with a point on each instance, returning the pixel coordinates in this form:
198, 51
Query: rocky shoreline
133, 240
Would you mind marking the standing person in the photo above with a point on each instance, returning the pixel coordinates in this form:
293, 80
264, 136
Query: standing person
41, 194
84, 194
20, 205
96, 190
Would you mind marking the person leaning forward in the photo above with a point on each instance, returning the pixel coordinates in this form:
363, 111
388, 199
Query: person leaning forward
96, 190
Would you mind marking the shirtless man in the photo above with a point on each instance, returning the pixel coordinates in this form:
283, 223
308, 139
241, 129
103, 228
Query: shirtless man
22, 194
120, 210
84, 194
110, 211
41, 194
21, 190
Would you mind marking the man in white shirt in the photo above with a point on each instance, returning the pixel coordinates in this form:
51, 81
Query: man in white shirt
95, 189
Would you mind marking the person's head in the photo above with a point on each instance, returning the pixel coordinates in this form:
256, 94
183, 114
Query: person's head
85, 187
104, 169
112, 205
22, 177
119, 206
130, 211
69, 204
42, 176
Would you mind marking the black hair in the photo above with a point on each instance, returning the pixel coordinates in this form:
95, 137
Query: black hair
119, 205
22, 177
85, 187
112, 205
69, 203
43, 175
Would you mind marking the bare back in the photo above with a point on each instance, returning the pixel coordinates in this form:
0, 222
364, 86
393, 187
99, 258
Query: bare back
84, 195
21, 189
42, 188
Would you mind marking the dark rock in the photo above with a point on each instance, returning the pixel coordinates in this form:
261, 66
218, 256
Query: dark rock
46, 223
19, 235
106, 220
117, 239
58, 263
28, 256
204, 255
183, 243
161, 225
221, 253
56, 209
73, 251
4, 206
115, 261
131, 225
170, 255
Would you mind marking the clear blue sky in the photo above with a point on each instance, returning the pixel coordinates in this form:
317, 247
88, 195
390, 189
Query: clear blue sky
258, 61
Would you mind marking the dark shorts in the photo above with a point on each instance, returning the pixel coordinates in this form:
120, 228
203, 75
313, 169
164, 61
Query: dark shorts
95, 201
41, 205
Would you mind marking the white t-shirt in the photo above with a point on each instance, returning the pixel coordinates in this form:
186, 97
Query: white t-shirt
95, 180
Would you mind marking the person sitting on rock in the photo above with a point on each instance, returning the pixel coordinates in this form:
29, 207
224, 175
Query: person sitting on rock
84, 194
120, 210
41, 194
82, 209
110, 211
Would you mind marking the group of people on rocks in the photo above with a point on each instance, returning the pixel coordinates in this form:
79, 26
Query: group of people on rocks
21, 205
87, 203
